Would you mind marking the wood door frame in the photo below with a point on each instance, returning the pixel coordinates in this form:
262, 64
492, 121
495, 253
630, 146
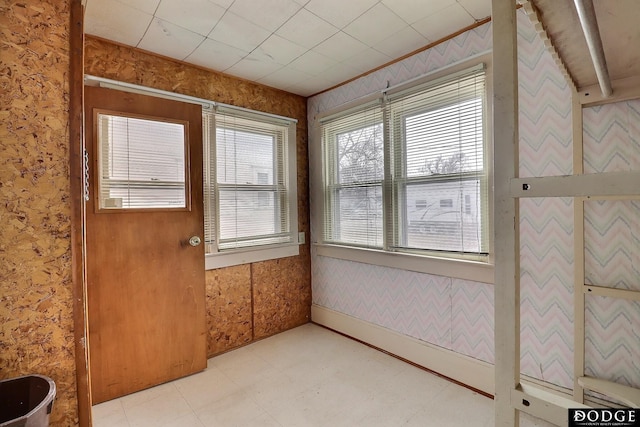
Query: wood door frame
76, 186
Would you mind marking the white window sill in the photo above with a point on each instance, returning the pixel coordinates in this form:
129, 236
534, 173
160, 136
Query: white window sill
459, 269
246, 256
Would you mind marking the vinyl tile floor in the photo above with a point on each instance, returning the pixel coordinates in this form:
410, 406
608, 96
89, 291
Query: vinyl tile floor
305, 377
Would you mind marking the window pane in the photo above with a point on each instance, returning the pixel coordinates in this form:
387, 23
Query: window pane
444, 216
248, 213
446, 140
142, 163
359, 216
244, 157
360, 155
354, 171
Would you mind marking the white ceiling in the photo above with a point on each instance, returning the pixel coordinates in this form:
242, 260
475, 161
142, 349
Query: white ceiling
301, 46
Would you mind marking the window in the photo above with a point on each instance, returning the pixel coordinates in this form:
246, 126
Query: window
249, 170
354, 173
408, 173
141, 162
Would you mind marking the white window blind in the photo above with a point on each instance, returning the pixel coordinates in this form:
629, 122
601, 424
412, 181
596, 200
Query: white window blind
439, 172
246, 182
409, 173
354, 174
141, 163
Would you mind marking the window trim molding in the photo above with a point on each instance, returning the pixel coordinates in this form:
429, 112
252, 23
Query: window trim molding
250, 255
475, 271
424, 263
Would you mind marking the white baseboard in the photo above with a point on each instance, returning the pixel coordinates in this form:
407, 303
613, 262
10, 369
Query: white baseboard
466, 370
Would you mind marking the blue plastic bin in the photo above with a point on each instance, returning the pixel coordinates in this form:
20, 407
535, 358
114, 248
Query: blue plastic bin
26, 401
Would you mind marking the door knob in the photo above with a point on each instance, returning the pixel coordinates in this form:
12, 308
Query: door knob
195, 240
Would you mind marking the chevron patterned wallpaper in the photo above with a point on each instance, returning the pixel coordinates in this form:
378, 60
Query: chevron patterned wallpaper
611, 138
546, 225
612, 340
612, 243
546, 289
457, 314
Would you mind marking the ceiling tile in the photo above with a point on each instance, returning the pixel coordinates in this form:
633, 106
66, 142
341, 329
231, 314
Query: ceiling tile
340, 73
313, 63
309, 87
341, 46
238, 32
253, 70
146, 6
215, 55
199, 16
268, 14
284, 77
306, 29
444, 23
115, 21
479, 9
404, 41
277, 49
339, 12
223, 3
170, 40
415, 10
368, 60
375, 25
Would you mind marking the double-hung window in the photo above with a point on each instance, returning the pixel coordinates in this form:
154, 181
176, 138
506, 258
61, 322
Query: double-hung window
409, 173
250, 189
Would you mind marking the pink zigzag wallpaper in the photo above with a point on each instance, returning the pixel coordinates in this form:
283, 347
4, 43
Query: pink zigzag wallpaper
611, 138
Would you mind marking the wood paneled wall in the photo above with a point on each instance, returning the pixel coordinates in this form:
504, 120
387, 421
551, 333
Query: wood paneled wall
250, 301
36, 295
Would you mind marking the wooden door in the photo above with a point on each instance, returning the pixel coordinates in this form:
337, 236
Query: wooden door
145, 279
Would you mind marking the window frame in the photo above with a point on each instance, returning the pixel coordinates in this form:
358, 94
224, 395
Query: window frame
401, 181
218, 258
476, 268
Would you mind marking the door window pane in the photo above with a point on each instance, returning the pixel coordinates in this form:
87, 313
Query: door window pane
141, 163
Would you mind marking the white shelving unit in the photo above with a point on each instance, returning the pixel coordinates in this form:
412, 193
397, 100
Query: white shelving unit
512, 395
